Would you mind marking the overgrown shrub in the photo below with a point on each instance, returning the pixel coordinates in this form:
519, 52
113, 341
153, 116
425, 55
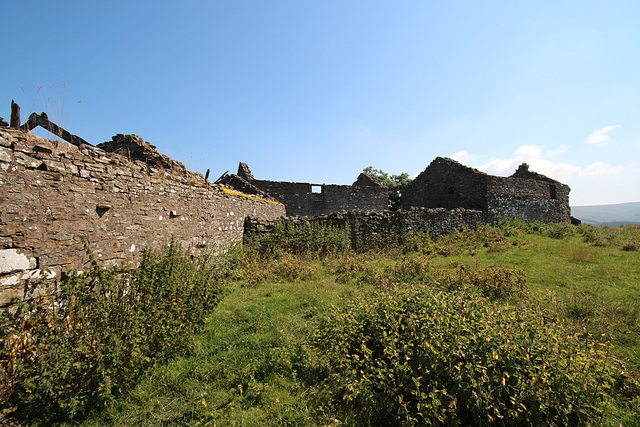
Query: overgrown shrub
354, 267
492, 281
304, 239
77, 347
470, 241
560, 230
516, 226
626, 237
412, 356
594, 235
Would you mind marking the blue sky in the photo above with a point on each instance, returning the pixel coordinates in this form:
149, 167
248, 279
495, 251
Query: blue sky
314, 91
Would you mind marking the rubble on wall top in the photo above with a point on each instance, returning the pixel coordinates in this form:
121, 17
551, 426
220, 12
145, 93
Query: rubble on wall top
237, 182
367, 180
135, 148
523, 172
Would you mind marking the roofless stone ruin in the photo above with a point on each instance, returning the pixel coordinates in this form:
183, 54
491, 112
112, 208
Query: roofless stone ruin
123, 196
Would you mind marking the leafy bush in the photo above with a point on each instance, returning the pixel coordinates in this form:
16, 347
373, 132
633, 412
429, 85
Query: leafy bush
76, 347
412, 356
594, 235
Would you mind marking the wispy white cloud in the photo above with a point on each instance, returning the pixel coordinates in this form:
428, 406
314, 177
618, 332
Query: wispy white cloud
600, 137
539, 162
598, 169
462, 156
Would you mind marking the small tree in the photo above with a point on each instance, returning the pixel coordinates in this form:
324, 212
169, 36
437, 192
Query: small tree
395, 183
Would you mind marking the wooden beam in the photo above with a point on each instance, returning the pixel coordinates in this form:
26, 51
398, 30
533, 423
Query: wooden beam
43, 121
30, 123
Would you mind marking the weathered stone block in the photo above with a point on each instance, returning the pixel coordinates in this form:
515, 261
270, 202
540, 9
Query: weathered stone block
12, 260
5, 154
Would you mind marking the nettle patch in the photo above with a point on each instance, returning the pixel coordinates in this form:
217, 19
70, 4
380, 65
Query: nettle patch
416, 356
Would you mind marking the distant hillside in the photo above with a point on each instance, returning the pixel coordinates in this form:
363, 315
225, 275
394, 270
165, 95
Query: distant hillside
613, 215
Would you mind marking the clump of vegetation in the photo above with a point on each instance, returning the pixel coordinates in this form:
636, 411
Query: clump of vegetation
516, 226
493, 282
412, 356
76, 347
285, 267
560, 230
304, 238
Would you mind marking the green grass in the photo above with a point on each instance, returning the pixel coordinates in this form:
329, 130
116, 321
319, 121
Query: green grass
243, 371
250, 365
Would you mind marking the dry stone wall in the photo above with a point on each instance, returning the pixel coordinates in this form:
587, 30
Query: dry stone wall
53, 195
366, 226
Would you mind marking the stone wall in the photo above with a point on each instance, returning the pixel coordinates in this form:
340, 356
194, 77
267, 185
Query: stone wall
53, 194
367, 225
448, 184
305, 199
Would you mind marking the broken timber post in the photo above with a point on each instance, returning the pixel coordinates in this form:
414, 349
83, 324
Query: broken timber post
14, 121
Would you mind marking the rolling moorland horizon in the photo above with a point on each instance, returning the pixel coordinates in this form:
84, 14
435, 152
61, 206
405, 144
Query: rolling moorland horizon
612, 214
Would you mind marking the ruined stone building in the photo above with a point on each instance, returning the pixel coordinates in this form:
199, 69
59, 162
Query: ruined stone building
448, 184
445, 183
305, 199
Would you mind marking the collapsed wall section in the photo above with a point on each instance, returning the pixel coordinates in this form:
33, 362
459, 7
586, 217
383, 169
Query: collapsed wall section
53, 195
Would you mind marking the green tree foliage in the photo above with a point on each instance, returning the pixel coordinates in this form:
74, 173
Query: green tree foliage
395, 183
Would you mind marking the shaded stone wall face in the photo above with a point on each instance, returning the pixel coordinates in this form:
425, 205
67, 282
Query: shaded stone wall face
532, 199
447, 184
300, 200
388, 224
53, 194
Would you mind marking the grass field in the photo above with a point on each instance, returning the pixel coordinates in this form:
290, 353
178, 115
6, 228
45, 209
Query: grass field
254, 362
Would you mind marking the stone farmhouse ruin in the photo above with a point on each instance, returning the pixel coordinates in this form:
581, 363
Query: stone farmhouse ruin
448, 184
123, 196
